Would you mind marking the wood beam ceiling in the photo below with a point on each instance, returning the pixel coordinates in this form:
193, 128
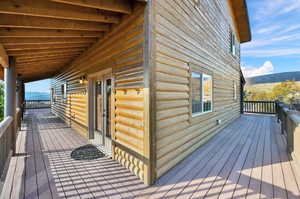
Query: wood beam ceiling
38, 33
20, 47
43, 52
34, 41
122, 6
40, 8
45, 35
10, 21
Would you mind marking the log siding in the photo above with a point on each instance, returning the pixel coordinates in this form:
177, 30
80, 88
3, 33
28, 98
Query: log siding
191, 36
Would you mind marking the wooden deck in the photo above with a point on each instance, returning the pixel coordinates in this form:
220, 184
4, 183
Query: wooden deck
245, 160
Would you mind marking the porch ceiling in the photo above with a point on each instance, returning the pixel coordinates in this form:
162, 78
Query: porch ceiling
45, 35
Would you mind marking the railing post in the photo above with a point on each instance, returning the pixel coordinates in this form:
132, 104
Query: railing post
10, 97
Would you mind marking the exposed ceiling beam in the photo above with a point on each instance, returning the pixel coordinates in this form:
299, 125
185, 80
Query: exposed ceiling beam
47, 55
44, 52
23, 33
33, 41
39, 60
55, 10
19, 47
122, 6
3, 57
11, 21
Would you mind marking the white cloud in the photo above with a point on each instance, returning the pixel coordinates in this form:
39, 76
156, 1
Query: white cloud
271, 52
276, 7
250, 71
268, 29
294, 5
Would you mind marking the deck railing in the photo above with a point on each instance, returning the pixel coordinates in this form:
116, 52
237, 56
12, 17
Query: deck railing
6, 128
37, 104
290, 127
265, 107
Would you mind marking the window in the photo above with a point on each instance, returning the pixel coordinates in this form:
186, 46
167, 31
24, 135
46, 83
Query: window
232, 43
234, 90
64, 91
53, 94
201, 94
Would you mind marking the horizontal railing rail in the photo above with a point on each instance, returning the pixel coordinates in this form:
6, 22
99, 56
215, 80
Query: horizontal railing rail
290, 127
6, 128
37, 104
264, 107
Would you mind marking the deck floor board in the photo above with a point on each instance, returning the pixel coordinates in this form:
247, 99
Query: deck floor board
247, 159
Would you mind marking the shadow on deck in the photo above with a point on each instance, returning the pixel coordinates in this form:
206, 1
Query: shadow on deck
246, 160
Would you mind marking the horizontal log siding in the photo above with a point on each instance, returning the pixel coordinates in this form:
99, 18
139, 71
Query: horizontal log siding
197, 36
121, 50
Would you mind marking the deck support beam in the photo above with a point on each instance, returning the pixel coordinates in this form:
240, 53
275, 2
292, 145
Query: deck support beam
10, 97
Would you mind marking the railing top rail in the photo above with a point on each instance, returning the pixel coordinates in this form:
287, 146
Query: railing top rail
37, 100
5, 124
252, 101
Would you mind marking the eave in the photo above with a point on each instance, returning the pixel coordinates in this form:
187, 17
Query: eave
241, 19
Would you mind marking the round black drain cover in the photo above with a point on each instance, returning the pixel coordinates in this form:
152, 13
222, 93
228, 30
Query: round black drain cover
86, 152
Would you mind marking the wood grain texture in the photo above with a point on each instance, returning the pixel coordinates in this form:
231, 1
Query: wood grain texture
191, 37
122, 51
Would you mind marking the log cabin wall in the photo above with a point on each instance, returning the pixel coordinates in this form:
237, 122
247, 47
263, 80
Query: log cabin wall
122, 50
191, 35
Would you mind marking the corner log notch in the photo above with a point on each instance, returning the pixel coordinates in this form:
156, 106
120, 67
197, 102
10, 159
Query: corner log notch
45, 36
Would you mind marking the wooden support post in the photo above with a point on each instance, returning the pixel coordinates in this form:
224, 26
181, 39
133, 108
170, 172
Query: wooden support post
10, 97
149, 98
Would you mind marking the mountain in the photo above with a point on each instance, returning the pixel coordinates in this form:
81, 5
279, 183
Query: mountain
37, 96
273, 78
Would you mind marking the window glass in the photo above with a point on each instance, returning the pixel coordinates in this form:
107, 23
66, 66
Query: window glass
201, 86
196, 93
207, 93
53, 94
234, 91
64, 91
232, 43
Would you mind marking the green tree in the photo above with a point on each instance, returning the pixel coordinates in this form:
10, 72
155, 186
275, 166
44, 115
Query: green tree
1, 101
286, 90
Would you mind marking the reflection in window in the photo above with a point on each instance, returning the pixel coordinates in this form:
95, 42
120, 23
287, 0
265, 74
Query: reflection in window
196, 93
207, 93
201, 93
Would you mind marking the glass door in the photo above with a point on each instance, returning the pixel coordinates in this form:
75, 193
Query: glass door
102, 112
107, 113
99, 130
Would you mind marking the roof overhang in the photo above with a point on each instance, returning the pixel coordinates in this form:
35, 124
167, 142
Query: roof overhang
241, 19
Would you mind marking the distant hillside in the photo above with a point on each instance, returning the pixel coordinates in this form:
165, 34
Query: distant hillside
37, 96
273, 78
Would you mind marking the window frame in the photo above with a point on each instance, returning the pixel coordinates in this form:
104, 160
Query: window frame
235, 91
202, 73
53, 95
64, 91
233, 44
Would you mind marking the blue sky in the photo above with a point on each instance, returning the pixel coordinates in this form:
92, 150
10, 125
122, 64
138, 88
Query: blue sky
38, 86
275, 45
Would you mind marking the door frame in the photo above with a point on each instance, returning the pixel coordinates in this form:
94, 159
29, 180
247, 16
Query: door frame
92, 78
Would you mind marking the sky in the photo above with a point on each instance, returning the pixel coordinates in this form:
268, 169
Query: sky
275, 45
38, 86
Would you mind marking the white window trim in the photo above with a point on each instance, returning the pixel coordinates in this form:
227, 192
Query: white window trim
234, 90
233, 47
211, 92
64, 91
